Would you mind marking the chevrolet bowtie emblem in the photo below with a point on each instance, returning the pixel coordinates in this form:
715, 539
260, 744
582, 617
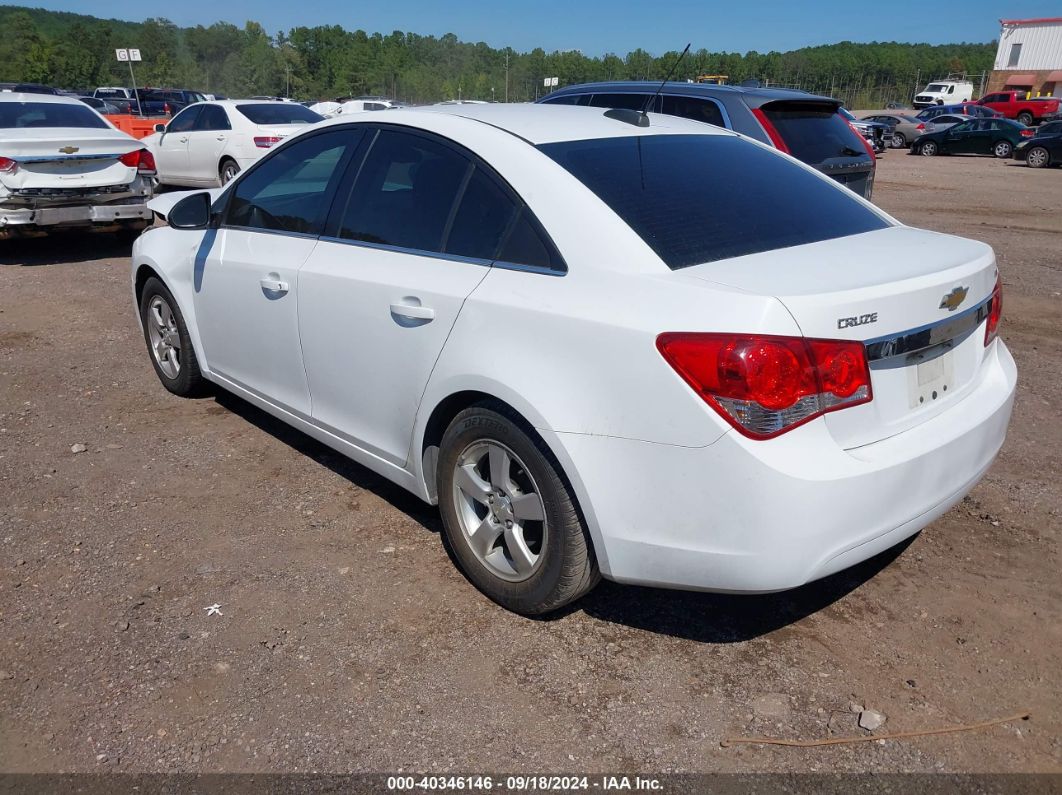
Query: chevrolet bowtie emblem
952, 300
69, 150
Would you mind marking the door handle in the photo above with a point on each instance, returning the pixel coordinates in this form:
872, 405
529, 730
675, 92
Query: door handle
413, 311
221, 137
273, 285
183, 140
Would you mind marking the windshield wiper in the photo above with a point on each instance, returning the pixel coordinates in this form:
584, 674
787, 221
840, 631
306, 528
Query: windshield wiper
847, 150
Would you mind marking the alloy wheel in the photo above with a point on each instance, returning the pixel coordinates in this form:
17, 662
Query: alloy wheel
928, 149
165, 339
1002, 149
1037, 157
500, 510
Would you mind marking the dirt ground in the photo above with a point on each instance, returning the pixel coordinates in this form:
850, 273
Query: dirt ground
348, 642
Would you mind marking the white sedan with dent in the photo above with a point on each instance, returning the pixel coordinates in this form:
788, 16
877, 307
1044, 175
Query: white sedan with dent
606, 344
62, 165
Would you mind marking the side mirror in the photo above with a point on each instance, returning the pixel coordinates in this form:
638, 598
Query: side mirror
160, 128
191, 212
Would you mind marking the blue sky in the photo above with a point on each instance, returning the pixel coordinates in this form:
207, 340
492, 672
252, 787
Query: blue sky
599, 26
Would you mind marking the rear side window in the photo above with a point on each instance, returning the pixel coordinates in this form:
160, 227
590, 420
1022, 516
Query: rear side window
212, 117
701, 198
813, 132
703, 110
18, 115
279, 113
483, 216
629, 101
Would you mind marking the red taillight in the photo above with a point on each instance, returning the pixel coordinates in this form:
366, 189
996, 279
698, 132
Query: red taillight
866, 142
766, 385
771, 130
921, 126
140, 159
1026, 133
8, 166
266, 141
995, 312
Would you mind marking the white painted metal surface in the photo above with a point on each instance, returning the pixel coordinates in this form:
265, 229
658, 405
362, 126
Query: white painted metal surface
1041, 45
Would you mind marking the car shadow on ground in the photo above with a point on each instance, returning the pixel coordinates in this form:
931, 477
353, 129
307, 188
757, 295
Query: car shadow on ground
64, 248
701, 617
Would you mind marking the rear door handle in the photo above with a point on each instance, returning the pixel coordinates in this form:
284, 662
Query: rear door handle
413, 312
221, 137
273, 285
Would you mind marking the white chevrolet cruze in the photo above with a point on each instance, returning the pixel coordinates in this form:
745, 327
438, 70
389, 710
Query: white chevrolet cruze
606, 344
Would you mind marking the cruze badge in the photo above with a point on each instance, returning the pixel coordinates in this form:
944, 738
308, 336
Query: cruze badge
69, 150
849, 322
952, 300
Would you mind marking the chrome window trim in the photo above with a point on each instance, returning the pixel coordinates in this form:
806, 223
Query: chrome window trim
932, 334
516, 266
417, 252
285, 232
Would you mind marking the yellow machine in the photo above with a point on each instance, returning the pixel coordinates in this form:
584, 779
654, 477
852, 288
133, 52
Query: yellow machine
716, 80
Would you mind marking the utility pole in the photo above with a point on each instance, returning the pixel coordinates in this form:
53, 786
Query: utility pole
287, 75
507, 74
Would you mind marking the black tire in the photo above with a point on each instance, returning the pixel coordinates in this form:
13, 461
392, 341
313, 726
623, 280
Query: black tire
929, 149
1025, 118
1003, 149
568, 567
1041, 158
188, 380
228, 170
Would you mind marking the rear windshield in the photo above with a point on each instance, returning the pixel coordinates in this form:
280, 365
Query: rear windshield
48, 114
700, 198
279, 113
111, 93
815, 133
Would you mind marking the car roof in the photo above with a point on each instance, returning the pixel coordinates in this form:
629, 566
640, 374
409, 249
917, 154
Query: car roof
760, 94
543, 124
59, 99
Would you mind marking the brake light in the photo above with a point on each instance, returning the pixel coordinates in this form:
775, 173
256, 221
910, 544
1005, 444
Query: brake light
866, 142
995, 312
1026, 133
921, 126
8, 166
140, 159
771, 130
266, 141
767, 385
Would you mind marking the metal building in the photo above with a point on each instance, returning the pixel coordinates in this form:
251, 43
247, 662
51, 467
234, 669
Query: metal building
1029, 57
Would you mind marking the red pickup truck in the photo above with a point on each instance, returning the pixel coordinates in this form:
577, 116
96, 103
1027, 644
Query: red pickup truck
1014, 105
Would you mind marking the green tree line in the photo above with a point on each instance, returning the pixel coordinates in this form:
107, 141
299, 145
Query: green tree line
77, 52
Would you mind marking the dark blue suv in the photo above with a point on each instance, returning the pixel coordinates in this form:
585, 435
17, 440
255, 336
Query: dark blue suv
806, 126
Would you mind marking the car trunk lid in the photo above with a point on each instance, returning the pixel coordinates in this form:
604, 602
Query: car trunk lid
917, 299
68, 158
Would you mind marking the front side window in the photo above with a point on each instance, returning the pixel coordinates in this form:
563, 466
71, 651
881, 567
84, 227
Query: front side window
701, 198
185, 120
17, 115
289, 190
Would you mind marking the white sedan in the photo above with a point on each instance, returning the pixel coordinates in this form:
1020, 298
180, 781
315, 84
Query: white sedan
606, 344
64, 165
208, 143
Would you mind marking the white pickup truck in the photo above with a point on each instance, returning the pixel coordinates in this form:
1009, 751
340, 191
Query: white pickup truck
64, 165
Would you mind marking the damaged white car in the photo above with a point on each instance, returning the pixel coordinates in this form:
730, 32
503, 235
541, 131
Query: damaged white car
64, 165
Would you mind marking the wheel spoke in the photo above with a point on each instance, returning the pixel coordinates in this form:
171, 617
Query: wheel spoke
484, 537
167, 315
156, 316
522, 557
500, 463
471, 484
528, 507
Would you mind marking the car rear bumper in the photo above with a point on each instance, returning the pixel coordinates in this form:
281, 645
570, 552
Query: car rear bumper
20, 219
747, 516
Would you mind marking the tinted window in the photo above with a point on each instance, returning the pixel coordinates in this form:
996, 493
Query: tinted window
567, 99
699, 198
482, 219
111, 93
630, 101
1050, 128
693, 108
185, 120
48, 114
404, 192
212, 117
288, 190
527, 244
814, 133
279, 113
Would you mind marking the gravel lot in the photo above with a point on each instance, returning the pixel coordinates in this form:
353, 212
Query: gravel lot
348, 642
